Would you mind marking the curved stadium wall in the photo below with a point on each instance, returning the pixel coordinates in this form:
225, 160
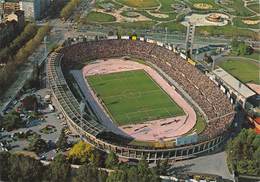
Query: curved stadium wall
216, 107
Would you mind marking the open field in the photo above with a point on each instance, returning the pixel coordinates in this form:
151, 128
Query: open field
203, 4
244, 70
139, 3
133, 97
252, 22
99, 17
254, 7
227, 31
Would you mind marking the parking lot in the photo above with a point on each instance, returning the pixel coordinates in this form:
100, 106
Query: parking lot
48, 125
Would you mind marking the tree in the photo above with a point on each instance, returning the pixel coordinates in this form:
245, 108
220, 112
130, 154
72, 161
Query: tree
132, 174
81, 152
118, 176
244, 153
25, 169
5, 165
37, 144
68, 9
58, 170
111, 161
62, 141
208, 58
89, 173
163, 166
12, 121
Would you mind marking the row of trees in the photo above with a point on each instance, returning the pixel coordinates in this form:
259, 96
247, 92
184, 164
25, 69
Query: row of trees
12, 121
7, 53
241, 48
7, 74
31, 45
83, 153
17, 167
21, 168
244, 153
55, 8
68, 9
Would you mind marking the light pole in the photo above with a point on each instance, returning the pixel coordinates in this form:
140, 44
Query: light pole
82, 109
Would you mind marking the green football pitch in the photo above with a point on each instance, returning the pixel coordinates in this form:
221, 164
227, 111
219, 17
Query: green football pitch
133, 97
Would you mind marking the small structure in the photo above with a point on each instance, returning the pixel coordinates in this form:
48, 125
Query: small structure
236, 91
214, 18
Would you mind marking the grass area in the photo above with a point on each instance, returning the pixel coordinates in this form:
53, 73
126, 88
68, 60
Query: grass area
227, 31
99, 17
130, 14
173, 26
238, 8
166, 5
134, 25
143, 4
255, 55
207, 3
254, 6
171, 16
108, 4
199, 126
244, 70
133, 97
239, 22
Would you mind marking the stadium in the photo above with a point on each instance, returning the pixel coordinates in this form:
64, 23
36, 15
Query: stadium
142, 99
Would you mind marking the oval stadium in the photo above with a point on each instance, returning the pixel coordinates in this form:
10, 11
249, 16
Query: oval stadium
138, 98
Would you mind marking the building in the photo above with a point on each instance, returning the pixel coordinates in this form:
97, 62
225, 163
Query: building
34, 9
10, 5
12, 25
236, 91
18, 16
7, 32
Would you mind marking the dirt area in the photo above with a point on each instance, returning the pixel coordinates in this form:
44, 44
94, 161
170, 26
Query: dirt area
159, 15
201, 20
157, 130
251, 22
203, 6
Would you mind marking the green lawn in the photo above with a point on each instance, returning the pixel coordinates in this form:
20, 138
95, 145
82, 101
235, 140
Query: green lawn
211, 3
246, 71
99, 17
166, 5
143, 4
255, 7
239, 22
227, 31
133, 97
238, 8
199, 126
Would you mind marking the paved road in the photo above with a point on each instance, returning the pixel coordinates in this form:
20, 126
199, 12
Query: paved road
210, 164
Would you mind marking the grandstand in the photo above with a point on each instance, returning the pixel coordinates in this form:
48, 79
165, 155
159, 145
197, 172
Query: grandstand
217, 109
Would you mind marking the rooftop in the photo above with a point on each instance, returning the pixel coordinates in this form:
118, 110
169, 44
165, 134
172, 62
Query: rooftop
234, 83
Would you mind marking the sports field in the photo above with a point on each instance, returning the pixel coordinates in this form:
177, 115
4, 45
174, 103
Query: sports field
132, 97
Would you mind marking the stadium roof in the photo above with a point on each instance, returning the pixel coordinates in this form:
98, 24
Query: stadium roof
234, 83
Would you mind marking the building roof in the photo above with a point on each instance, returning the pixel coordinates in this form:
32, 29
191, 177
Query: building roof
234, 83
257, 120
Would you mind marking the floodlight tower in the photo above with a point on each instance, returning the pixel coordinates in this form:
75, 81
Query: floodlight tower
82, 109
189, 38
